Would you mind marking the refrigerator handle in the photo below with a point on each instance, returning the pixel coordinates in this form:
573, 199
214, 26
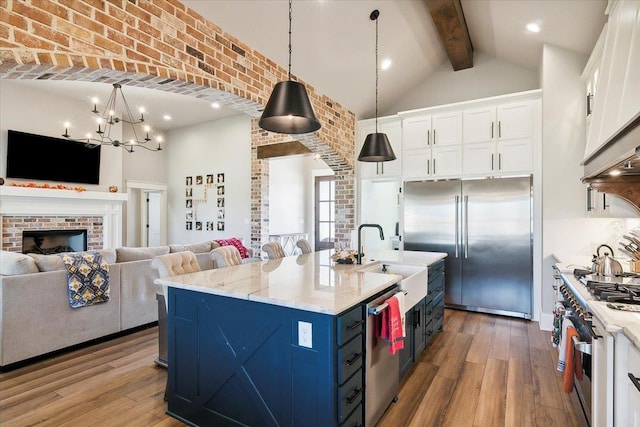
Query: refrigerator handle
457, 225
466, 226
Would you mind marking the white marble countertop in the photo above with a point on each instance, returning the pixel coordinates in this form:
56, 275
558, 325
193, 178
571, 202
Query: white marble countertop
308, 282
614, 321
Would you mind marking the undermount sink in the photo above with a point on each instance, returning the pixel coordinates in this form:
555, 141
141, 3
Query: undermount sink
413, 282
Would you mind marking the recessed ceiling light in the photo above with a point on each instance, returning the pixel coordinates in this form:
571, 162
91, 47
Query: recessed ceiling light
533, 27
615, 172
215, 105
166, 117
386, 63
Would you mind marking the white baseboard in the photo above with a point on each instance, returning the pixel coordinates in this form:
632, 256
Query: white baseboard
546, 322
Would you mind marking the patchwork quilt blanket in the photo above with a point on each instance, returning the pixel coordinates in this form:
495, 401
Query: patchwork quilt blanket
87, 277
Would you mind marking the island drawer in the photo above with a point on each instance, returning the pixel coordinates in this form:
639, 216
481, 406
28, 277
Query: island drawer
355, 419
349, 359
349, 396
438, 312
350, 324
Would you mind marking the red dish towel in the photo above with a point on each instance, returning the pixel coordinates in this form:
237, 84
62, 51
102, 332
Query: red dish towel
392, 325
573, 362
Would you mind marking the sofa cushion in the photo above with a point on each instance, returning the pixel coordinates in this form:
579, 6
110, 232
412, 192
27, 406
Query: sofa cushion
137, 254
196, 248
13, 263
54, 262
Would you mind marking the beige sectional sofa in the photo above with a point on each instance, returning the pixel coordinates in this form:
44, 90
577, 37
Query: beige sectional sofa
35, 315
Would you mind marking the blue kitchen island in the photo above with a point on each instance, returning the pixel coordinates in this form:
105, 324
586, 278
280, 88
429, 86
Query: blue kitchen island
275, 343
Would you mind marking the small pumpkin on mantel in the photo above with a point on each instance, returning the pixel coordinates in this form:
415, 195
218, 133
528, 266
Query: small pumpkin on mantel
113, 189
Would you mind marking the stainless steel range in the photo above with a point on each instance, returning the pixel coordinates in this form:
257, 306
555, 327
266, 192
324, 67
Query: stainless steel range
621, 289
621, 292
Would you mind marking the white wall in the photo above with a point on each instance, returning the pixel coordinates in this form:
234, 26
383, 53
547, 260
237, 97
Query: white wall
222, 146
488, 77
567, 232
26, 109
291, 190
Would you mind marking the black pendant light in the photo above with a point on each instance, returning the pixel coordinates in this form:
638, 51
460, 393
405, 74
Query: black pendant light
376, 147
289, 109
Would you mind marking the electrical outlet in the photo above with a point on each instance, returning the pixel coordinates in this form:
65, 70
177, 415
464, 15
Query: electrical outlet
304, 334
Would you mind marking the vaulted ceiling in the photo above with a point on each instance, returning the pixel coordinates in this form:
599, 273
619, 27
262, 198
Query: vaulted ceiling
333, 44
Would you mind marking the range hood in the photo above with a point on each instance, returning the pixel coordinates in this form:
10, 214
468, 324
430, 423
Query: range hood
615, 168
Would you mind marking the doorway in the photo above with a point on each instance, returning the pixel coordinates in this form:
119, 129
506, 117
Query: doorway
325, 217
146, 214
153, 225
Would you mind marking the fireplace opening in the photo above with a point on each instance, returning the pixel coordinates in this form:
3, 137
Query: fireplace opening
54, 241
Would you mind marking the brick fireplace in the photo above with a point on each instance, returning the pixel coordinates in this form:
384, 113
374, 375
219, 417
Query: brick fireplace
15, 227
33, 209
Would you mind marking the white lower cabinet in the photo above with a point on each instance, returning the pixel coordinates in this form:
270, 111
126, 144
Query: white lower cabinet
627, 391
602, 385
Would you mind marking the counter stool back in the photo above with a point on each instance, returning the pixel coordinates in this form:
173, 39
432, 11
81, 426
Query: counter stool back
226, 256
169, 265
274, 250
304, 246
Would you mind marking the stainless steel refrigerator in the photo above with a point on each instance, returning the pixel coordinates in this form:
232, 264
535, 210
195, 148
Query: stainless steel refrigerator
485, 227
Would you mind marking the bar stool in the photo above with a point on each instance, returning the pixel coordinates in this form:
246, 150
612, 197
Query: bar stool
226, 256
274, 250
169, 265
304, 246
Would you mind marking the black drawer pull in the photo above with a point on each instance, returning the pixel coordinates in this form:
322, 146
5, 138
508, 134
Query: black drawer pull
593, 333
354, 395
355, 325
635, 380
353, 359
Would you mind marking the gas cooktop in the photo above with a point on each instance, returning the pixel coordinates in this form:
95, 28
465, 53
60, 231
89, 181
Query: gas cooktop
623, 288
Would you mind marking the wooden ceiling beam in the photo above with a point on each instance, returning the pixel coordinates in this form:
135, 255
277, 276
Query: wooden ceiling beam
282, 149
448, 18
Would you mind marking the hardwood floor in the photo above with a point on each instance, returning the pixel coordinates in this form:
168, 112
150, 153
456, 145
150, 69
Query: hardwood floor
483, 370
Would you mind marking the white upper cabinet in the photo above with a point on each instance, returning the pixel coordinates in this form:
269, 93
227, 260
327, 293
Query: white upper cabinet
391, 126
432, 145
498, 139
618, 100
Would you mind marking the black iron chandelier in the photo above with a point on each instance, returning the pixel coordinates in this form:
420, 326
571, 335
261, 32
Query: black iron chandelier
289, 109
109, 118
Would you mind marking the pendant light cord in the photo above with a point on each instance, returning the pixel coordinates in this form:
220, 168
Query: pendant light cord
290, 15
374, 17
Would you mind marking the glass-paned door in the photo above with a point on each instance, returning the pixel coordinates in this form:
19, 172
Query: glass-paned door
325, 230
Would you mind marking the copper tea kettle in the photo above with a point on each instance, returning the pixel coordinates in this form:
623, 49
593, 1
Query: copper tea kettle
605, 265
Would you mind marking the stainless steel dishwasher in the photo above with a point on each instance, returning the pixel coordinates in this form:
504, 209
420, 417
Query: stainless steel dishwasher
382, 375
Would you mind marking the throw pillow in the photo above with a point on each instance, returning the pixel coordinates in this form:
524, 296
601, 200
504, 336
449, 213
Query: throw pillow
54, 262
13, 263
244, 252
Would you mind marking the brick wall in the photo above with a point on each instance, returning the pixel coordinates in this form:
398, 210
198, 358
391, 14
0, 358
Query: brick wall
13, 226
162, 44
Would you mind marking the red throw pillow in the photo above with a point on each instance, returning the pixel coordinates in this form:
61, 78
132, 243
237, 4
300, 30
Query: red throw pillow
244, 252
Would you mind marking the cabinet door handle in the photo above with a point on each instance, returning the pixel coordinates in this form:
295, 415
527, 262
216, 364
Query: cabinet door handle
381, 168
355, 325
635, 380
499, 161
428, 166
434, 166
428, 138
354, 395
604, 201
377, 168
434, 137
492, 161
590, 199
353, 359
492, 130
589, 102
499, 129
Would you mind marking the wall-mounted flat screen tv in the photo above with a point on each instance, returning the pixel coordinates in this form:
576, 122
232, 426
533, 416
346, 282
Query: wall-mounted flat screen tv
45, 158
